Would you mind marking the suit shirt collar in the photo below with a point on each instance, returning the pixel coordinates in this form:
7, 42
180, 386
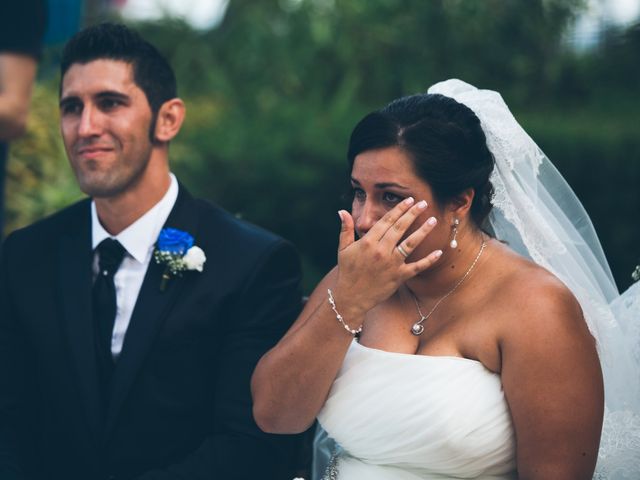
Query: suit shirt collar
140, 237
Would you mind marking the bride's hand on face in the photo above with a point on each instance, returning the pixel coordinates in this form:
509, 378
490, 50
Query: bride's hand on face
372, 268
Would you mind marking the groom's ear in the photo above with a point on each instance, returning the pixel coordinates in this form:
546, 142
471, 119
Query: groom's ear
169, 120
461, 204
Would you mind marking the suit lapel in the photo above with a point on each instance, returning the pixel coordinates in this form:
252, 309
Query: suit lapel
150, 312
75, 280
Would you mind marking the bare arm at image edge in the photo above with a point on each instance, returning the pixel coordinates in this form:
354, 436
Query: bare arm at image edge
22, 28
17, 74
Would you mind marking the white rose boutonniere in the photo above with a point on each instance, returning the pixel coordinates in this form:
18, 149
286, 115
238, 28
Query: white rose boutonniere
194, 259
175, 250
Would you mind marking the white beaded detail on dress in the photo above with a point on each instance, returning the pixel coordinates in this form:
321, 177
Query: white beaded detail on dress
332, 468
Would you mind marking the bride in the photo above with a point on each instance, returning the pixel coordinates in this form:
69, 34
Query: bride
473, 330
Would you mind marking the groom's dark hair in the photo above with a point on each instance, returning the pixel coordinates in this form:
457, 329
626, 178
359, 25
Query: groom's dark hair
112, 41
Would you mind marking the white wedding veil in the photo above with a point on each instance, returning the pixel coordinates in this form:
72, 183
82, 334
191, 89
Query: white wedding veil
538, 215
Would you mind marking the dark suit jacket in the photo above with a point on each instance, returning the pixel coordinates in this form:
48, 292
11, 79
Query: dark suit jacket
180, 406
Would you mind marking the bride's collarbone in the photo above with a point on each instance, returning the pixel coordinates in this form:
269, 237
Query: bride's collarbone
450, 333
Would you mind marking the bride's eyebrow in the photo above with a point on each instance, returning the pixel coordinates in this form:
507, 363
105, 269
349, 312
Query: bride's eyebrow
390, 184
382, 185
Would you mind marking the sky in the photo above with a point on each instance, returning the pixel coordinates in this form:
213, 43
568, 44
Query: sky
200, 14
205, 14
619, 12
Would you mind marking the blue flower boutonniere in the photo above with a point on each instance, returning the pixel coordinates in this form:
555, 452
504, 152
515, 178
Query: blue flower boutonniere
175, 250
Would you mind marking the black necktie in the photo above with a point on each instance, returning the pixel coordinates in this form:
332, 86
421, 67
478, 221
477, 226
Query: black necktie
110, 254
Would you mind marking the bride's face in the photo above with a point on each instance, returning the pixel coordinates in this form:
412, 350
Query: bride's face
382, 178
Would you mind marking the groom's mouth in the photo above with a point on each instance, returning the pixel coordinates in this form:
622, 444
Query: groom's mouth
93, 151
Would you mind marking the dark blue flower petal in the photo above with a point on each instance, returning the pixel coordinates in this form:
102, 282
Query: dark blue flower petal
174, 241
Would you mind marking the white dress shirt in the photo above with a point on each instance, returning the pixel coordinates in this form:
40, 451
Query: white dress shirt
138, 239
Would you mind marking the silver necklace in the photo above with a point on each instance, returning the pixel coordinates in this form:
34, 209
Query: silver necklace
418, 327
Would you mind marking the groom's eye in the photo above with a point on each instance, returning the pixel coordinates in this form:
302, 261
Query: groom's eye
109, 103
70, 107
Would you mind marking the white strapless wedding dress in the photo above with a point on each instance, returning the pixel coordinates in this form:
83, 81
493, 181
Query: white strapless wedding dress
415, 417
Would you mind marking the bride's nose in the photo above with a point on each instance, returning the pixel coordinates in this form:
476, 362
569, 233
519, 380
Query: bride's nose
365, 216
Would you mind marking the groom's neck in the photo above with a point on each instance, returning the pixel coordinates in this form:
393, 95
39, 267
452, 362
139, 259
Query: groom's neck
118, 212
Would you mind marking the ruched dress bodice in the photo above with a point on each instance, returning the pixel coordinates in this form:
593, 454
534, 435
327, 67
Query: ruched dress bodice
408, 417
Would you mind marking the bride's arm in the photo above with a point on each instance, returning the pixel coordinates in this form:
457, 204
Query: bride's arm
553, 384
292, 380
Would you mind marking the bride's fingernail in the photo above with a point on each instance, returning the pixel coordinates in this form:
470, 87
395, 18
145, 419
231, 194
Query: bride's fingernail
437, 253
422, 204
408, 200
340, 214
432, 221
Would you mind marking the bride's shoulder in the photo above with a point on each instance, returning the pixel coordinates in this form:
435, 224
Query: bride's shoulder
530, 293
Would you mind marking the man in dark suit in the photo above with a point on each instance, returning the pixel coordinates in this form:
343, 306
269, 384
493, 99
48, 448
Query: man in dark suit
122, 356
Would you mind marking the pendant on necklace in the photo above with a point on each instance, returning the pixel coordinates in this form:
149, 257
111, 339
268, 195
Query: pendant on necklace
417, 329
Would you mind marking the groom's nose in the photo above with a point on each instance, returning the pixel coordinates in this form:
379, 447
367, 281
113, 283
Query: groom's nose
89, 124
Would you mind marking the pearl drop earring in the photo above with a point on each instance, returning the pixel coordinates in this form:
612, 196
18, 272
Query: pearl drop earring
454, 242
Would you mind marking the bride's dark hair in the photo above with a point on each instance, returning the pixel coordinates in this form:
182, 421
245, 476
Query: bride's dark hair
443, 138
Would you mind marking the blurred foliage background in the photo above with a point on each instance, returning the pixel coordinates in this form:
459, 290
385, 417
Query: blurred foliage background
274, 90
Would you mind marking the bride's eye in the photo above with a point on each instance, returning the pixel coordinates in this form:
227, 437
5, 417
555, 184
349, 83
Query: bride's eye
358, 194
391, 198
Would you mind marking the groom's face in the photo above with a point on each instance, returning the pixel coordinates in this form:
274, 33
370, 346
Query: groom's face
105, 120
